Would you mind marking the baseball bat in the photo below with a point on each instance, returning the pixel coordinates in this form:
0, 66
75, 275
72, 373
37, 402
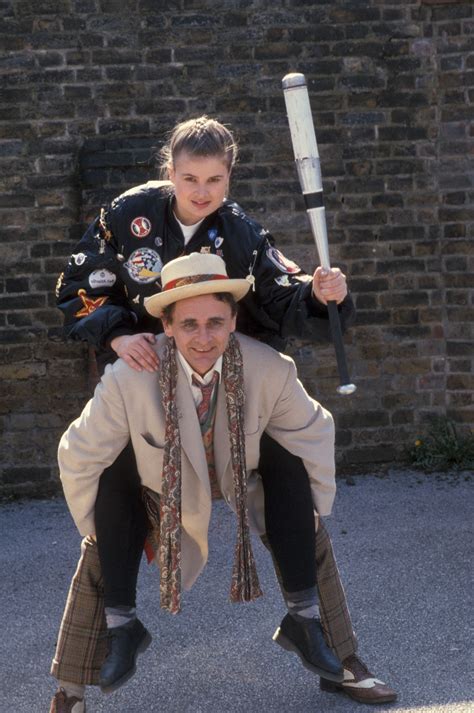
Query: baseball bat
308, 165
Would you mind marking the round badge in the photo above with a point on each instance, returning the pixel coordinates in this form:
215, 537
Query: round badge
282, 262
144, 265
140, 227
79, 258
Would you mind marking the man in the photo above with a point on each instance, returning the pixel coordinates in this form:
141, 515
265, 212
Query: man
200, 454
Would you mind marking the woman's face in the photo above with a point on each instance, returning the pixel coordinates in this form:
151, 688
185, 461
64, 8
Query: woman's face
200, 185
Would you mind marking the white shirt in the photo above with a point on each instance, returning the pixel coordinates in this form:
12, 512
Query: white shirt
196, 391
188, 230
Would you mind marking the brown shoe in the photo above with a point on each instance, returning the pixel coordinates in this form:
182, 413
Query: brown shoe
360, 684
62, 704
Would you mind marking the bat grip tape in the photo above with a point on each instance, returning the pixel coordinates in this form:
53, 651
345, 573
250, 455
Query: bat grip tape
336, 334
313, 200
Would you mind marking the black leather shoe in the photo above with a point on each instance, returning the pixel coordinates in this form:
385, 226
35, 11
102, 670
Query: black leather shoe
306, 639
124, 643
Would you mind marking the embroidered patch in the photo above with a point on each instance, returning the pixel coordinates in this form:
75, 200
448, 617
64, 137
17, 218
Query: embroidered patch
205, 250
140, 227
220, 253
101, 278
79, 258
144, 265
283, 281
219, 242
90, 303
282, 262
212, 234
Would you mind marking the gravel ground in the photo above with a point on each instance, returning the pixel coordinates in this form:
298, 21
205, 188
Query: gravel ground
403, 548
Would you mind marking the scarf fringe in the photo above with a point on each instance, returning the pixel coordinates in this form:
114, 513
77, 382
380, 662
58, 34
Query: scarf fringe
245, 586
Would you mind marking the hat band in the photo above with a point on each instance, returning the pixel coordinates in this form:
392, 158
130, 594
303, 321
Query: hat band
191, 280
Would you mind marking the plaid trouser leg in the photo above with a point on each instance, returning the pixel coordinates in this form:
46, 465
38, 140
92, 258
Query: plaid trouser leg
81, 647
335, 617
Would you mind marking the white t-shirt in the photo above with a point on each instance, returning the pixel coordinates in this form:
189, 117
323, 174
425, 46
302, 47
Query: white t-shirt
188, 230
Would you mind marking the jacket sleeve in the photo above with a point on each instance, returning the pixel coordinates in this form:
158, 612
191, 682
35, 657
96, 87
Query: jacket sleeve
284, 292
281, 300
302, 426
90, 292
92, 443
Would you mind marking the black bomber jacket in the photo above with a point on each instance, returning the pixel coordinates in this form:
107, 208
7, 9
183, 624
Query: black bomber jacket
118, 262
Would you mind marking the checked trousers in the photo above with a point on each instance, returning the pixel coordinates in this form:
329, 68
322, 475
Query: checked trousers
81, 646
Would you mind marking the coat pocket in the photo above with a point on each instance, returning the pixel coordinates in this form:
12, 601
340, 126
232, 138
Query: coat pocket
149, 457
151, 441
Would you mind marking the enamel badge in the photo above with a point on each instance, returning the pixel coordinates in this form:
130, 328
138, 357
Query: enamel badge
140, 227
79, 258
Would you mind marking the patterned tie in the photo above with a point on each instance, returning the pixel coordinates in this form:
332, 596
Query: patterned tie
206, 390
206, 412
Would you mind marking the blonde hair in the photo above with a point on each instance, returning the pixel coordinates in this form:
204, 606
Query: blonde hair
201, 137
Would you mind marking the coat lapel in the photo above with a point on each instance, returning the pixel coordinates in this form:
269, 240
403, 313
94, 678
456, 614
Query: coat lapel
221, 434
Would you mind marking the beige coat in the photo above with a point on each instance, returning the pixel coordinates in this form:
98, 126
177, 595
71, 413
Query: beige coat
127, 404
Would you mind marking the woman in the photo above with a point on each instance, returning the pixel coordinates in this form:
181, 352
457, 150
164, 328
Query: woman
118, 261
101, 293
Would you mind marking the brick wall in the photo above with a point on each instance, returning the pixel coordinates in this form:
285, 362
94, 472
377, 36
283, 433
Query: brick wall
91, 86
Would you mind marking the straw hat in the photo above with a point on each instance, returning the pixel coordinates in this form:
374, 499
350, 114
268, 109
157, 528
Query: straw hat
193, 275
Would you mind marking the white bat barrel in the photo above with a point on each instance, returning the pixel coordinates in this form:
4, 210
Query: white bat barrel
305, 148
303, 138
306, 153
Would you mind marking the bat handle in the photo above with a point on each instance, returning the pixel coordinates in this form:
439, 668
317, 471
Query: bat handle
345, 387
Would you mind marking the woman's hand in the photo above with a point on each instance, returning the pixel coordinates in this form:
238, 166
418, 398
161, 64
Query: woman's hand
135, 349
329, 285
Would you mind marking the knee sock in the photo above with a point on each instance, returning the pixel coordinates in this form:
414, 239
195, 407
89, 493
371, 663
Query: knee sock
303, 604
72, 689
120, 615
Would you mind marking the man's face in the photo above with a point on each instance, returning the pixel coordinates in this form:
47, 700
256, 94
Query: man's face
201, 327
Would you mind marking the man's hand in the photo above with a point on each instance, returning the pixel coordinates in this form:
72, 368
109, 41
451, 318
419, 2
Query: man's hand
329, 285
135, 349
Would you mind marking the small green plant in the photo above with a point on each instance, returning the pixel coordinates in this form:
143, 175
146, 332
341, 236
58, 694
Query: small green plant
443, 447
